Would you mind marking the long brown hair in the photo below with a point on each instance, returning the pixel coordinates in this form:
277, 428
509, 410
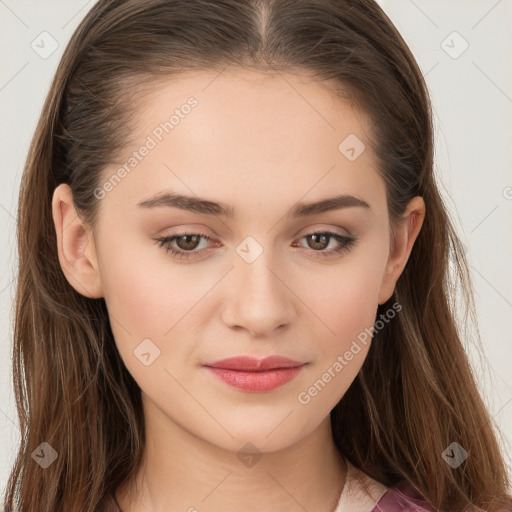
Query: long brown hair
415, 393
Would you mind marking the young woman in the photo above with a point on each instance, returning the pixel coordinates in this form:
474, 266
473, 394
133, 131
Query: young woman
235, 273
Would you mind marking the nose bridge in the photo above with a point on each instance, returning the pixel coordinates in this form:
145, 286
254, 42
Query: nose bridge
260, 300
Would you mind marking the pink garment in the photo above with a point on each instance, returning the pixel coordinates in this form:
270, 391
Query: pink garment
402, 498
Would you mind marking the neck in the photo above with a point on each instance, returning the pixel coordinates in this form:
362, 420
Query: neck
182, 472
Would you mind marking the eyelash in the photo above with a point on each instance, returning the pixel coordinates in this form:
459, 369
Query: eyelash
165, 243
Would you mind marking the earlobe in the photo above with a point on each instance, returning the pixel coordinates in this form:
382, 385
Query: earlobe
75, 245
405, 234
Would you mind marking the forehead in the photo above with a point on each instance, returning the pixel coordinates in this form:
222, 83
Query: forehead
251, 102
249, 135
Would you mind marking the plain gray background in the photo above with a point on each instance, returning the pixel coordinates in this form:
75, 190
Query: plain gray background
463, 49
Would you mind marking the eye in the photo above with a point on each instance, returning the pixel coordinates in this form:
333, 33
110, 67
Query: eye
187, 242
318, 240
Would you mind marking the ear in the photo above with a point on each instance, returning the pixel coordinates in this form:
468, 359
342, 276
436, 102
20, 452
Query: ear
75, 245
404, 236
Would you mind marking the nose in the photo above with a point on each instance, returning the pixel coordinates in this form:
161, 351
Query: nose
258, 298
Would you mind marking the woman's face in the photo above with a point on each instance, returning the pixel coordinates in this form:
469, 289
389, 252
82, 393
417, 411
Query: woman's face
265, 149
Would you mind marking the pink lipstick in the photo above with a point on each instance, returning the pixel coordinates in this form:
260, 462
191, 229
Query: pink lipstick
257, 375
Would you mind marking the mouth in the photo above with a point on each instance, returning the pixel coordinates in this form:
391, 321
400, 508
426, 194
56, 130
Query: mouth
256, 375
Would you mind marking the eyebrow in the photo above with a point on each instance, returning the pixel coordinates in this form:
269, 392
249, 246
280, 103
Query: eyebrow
208, 207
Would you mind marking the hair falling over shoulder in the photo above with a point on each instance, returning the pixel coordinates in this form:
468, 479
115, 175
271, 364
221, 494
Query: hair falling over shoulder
415, 394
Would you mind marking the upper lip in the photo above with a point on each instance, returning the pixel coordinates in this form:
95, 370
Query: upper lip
250, 363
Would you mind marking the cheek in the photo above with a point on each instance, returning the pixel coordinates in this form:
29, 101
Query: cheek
347, 300
147, 299
347, 304
143, 289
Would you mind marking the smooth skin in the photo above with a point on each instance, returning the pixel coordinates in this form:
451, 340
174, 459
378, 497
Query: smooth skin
259, 143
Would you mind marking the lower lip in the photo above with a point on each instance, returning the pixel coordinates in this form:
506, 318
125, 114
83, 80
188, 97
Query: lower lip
256, 381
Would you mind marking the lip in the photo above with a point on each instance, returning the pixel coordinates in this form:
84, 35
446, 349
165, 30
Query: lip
254, 364
256, 375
